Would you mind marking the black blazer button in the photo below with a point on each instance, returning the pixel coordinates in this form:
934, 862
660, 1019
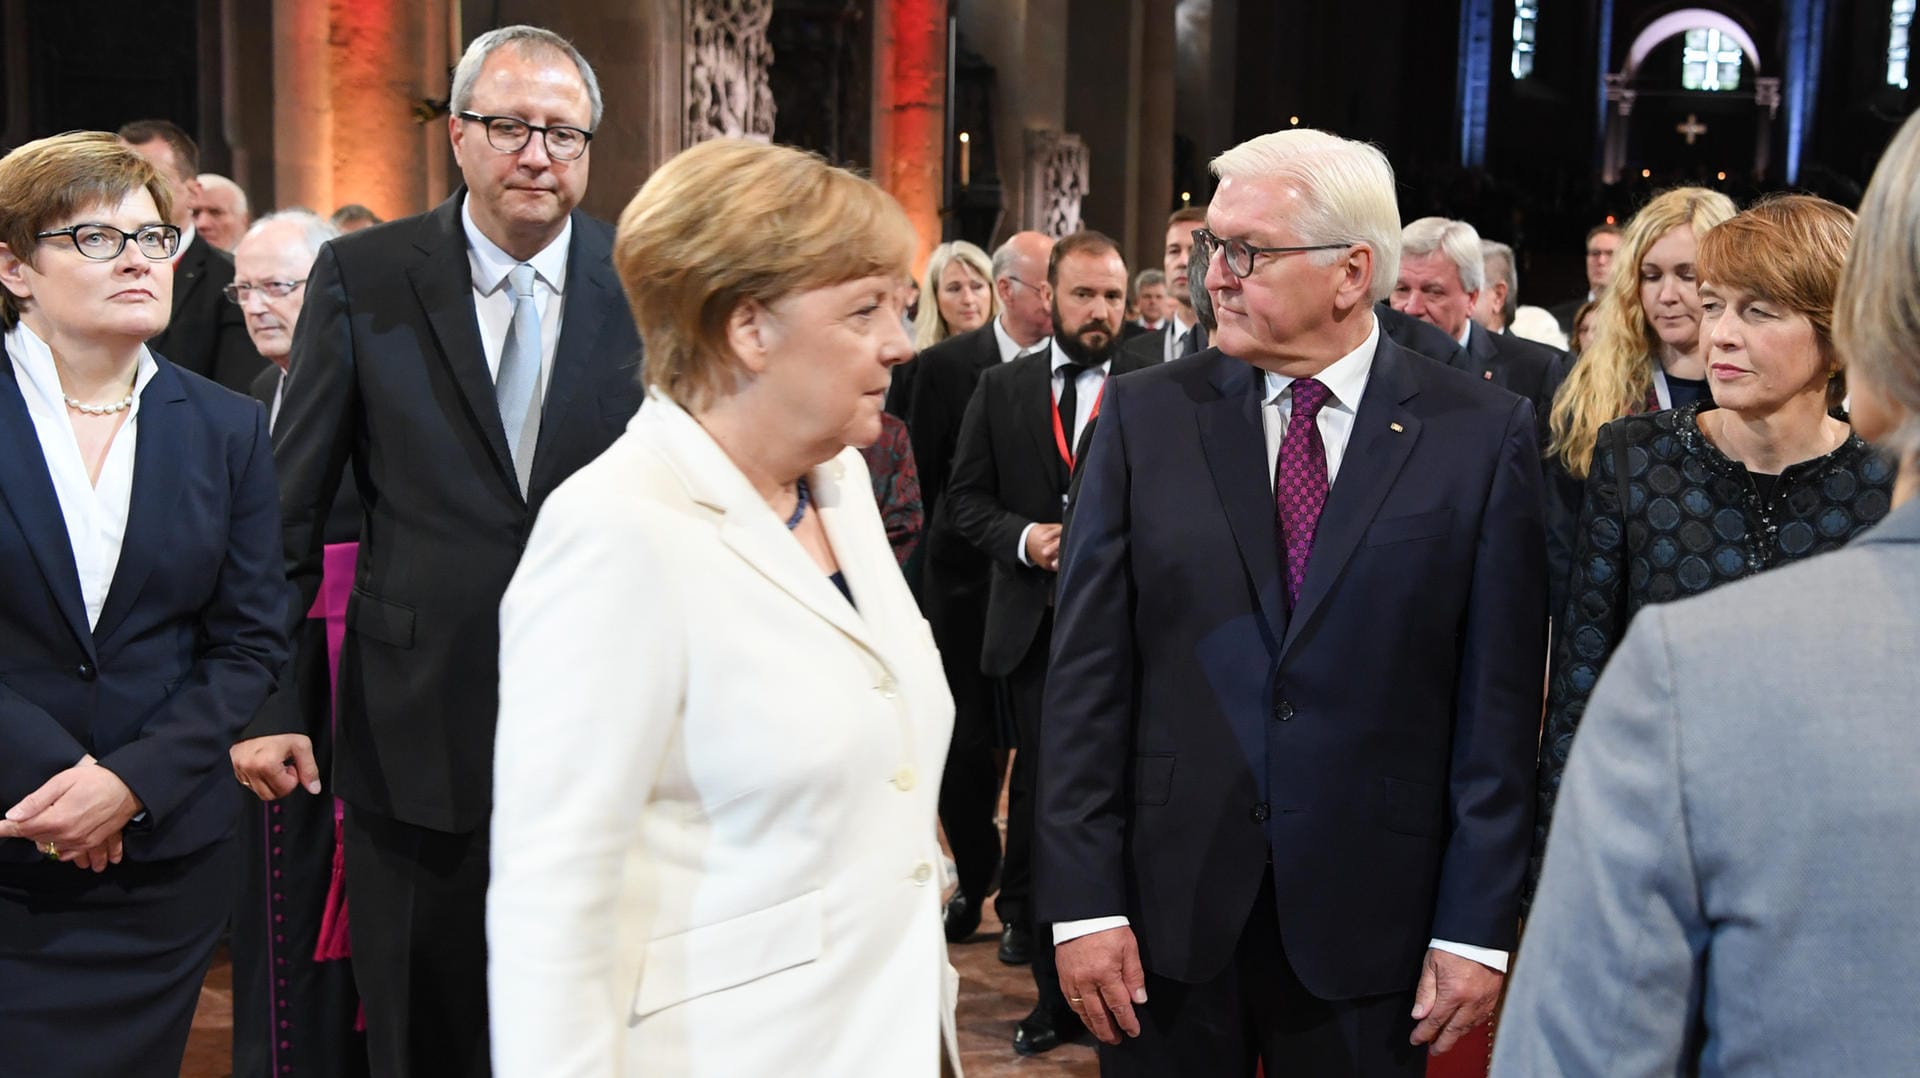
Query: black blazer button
86, 672
1282, 711
1260, 812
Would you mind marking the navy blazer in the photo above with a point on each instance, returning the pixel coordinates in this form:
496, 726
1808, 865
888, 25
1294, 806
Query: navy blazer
191, 636
1377, 741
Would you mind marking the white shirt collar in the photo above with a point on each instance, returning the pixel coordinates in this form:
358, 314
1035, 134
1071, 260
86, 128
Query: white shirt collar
1009, 348
1466, 333
1175, 325
1061, 359
491, 264
32, 357
1345, 378
186, 240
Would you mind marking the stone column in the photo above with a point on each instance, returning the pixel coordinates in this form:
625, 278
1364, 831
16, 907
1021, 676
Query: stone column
1153, 161
350, 78
1026, 42
909, 111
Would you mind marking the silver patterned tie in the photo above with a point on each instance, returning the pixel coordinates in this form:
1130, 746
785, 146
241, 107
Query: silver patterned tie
517, 387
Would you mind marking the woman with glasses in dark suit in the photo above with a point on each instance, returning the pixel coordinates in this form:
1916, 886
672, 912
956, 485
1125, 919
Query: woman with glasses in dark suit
139, 628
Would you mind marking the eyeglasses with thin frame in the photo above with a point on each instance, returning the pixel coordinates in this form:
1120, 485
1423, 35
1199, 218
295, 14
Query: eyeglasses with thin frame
1240, 254
1018, 281
236, 292
509, 134
103, 243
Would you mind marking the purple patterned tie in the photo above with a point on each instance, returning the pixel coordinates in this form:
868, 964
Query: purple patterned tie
1300, 482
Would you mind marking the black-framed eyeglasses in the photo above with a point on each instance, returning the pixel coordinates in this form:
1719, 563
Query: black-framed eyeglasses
1240, 254
1018, 281
103, 243
509, 134
237, 292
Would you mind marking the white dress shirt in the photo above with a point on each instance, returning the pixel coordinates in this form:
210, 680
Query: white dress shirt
96, 513
1345, 379
493, 301
1087, 387
1010, 349
1176, 329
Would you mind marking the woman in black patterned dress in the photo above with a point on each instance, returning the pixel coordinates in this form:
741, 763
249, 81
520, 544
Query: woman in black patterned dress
1684, 500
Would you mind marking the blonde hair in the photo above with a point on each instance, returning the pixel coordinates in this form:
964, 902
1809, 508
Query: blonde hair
1876, 322
1614, 377
1347, 188
1789, 249
929, 325
50, 179
731, 221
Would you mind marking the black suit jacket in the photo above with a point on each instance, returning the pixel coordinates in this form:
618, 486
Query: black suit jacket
1420, 335
1151, 346
388, 375
208, 335
191, 635
1377, 740
1008, 474
1529, 368
1563, 313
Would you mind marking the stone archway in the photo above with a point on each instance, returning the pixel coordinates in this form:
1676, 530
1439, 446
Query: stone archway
1765, 94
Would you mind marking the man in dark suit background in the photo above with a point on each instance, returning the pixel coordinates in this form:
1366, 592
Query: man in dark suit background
464, 362
1442, 273
1018, 446
206, 334
1602, 241
953, 575
1291, 712
1184, 332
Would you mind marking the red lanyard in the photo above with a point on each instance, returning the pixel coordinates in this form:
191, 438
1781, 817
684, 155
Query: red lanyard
1060, 436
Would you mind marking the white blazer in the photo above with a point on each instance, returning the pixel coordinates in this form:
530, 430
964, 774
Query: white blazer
715, 783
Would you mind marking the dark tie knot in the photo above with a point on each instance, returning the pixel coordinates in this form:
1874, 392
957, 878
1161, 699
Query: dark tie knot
1072, 371
1308, 397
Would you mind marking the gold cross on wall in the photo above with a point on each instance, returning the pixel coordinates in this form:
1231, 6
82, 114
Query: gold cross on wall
1693, 128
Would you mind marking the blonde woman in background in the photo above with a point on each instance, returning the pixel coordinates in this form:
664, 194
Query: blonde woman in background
956, 294
1645, 356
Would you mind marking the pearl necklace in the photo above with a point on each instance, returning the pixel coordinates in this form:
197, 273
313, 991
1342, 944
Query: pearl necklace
99, 409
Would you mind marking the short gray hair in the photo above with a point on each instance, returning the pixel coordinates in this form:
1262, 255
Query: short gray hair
221, 183
1492, 251
525, 39
1347, 189
1147, 278
1876, 323
315, 231
1456, 239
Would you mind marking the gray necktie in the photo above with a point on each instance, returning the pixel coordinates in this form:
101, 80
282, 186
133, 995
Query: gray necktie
517, 387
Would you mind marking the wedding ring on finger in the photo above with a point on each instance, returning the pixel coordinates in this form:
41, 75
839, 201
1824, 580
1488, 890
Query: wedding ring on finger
52, 851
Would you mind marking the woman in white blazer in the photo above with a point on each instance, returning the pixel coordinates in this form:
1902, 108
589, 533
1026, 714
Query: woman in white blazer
722, 718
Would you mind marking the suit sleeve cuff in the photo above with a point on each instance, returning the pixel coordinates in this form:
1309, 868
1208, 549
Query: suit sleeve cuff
1486, 956
1073, 930
1020, 549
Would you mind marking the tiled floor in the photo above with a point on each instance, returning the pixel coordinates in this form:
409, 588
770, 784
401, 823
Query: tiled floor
992, 998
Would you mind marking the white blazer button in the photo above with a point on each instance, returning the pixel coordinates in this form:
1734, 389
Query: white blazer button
903, 779
922, 872
887, 687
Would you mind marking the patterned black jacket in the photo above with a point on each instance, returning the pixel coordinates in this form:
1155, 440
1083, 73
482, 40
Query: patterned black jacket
1692, 520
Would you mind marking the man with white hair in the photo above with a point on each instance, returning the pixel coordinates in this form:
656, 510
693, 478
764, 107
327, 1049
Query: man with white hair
1295, 686
220, 211
1499, 310
1442, 277
288, 1006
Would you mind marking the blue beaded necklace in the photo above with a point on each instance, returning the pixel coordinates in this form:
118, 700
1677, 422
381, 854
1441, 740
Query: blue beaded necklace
800, 507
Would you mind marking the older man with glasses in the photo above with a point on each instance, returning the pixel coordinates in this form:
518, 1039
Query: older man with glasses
1299, 636
463, 362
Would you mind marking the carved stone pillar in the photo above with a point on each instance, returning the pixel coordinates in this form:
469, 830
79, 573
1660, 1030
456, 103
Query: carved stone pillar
726, 63
1056, 182
1766, 101
1620, 109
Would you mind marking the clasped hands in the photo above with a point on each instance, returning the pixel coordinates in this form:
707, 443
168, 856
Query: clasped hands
1100, 974
77, 815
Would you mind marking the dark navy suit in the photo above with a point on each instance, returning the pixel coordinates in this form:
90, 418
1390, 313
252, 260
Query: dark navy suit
101, 972
1352, 775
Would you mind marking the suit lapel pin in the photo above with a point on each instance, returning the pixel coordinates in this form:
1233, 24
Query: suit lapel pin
1397, 428
1488, 375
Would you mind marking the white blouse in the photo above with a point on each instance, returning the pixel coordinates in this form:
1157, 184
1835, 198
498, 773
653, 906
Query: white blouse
96, 514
